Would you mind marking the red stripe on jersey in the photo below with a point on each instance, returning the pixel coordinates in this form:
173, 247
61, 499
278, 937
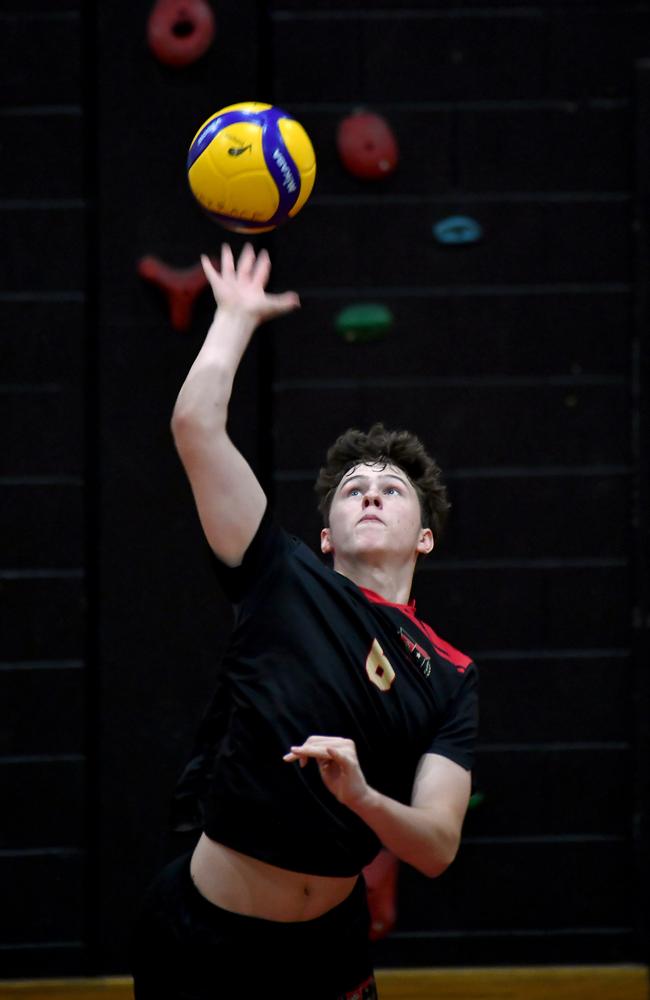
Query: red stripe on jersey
444, 649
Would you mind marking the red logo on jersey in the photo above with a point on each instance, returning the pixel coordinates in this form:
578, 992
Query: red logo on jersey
419, 654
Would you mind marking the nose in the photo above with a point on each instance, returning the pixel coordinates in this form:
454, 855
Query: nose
371, 498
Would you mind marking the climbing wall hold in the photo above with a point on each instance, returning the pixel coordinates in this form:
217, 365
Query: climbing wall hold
180, 31
180, 285
367, 146
363, 322
381, 885
457, 230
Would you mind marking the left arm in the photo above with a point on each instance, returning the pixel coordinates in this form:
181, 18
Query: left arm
426, 833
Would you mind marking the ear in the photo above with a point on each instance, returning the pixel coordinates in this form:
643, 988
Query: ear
326, 546
426, 542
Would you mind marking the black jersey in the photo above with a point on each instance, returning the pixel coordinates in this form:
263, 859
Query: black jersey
311, 653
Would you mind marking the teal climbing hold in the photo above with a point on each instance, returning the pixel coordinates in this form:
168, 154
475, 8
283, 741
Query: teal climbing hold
458, 230
363, 322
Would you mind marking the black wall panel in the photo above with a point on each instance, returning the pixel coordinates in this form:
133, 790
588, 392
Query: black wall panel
594, 50
41, 53
560, 945
43, 598
451, 54
43, 336
505, 146
42, 152
506, 887
558, 696
45, 708
42, 233
499, 606
410, 55
45, 523
526, 242
55, 916
507, 900
42, 614
582, 422
572, 146
51, 431
462, 331
58, 785
553, 791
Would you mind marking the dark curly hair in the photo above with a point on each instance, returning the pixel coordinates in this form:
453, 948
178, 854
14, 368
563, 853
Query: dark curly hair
399, 448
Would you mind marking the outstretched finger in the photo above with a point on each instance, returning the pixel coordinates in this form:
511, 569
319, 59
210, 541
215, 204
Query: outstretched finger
227, 261
262, 269
246, 262
306, 752
209, 269
291, 757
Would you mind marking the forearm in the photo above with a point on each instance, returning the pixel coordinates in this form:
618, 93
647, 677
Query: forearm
424, 838
205, 394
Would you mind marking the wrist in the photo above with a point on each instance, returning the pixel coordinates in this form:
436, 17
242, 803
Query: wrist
228, 337
367, 804
233, 321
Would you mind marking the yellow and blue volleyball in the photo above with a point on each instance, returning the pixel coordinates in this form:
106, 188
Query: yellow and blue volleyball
251, 167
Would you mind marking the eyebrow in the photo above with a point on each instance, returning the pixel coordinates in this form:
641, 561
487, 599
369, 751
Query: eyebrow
387, 475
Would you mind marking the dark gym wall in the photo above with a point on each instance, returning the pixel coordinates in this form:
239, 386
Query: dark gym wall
43, 347
514, 359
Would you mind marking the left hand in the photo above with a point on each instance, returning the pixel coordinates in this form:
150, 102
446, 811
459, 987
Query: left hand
338, 765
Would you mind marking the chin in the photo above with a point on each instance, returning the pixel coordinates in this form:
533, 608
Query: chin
368, 549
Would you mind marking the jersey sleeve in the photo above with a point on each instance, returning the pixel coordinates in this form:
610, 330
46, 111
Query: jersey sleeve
456, 738
266, 550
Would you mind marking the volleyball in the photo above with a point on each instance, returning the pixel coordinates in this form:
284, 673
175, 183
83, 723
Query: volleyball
251, 167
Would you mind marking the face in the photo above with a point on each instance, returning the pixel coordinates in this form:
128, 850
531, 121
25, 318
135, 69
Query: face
375, 511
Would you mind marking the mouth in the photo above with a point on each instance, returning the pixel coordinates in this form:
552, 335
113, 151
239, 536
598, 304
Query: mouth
370, 517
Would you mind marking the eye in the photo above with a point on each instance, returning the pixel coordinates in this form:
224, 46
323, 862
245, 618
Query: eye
392, 490
353, 490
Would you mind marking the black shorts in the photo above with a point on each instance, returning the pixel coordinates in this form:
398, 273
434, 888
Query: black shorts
183, 947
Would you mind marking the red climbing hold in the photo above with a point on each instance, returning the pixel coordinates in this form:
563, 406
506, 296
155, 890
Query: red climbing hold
381, 886
180, 31
367, 145
180, 285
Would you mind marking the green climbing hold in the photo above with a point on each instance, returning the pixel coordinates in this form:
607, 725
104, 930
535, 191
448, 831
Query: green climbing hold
476, 799
363, 322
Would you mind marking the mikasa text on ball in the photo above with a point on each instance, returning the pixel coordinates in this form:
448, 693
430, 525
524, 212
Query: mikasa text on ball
251, 167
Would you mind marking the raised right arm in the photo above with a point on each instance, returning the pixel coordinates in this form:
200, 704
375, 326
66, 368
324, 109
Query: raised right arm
229, 499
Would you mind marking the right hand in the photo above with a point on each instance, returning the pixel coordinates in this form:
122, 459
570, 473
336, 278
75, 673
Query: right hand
240, 289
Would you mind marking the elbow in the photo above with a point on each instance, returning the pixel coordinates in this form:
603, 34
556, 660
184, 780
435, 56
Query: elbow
182, 421
177, 422
439, 860
202, 403
191, 423
193, 436
434, 869
183, 426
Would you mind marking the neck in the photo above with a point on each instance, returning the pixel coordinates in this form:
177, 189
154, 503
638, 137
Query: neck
392, 583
